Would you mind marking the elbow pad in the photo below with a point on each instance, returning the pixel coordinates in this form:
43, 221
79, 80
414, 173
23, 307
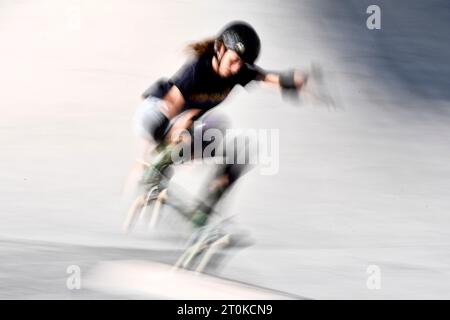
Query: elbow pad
160, 86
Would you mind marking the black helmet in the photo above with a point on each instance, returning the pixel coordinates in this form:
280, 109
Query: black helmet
239, 36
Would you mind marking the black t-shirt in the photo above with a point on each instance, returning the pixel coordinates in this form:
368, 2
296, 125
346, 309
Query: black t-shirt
201, 87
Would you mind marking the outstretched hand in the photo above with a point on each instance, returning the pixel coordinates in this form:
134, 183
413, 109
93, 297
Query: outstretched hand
316, 91
311, 88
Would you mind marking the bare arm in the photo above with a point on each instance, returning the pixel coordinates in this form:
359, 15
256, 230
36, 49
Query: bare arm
183, 122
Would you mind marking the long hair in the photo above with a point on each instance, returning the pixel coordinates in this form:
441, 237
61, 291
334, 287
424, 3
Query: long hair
201, 47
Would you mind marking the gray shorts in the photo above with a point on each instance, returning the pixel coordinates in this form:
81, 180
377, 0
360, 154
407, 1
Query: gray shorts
145, 115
